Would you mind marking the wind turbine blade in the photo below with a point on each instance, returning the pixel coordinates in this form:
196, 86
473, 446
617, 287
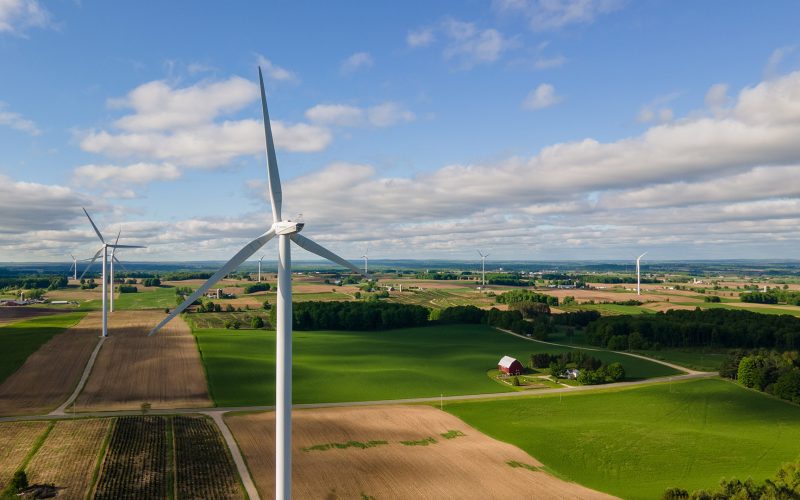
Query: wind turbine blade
126, 246
115, 244
120, 263
232, 264
95, 227
276, 195
323, 252
639, 257
96, 256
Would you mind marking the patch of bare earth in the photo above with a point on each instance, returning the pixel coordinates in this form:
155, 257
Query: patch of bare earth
68, 456
11, 314
467, 465
50, 374
131, 369
16, 441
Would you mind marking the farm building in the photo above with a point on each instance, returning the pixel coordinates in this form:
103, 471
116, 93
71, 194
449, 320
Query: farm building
572, 374
510, 366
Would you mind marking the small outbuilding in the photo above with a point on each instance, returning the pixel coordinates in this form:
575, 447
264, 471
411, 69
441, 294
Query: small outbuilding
510, 366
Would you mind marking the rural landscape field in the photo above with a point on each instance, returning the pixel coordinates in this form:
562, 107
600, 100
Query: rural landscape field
493, 249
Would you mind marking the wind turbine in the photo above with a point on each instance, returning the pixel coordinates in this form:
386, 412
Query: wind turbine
366, 261
74, 268
112, 260
259, 268
638, 276
104, 252
287, 231
483, 266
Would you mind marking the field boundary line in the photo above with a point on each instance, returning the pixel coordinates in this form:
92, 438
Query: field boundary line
61, 410
236, 453
689, 371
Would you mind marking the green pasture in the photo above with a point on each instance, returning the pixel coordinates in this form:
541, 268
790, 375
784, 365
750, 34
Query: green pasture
157, 298
635, 443
332, 366
696, 359
609, 309
21, 339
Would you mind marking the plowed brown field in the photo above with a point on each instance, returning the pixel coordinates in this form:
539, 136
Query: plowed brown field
471, 465
10, 314
68, 456
50, 374
164, 370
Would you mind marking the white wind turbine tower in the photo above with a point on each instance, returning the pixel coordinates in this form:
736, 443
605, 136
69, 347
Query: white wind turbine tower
104, 252
111, 265
638, 276
366, 260
74, 268
483, 267
287, 232
259, 268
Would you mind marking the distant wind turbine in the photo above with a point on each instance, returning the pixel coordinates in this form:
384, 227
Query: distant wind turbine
483, 267
259, 268
111, 262
74, 267
104, 253
288, 231
366, 260
638, 275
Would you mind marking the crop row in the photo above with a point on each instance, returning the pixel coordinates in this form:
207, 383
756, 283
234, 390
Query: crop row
203, 466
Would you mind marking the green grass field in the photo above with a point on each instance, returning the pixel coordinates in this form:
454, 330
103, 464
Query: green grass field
784, 309
366, 366
158, 298
20, 340
609, 309
635, 443
694, 359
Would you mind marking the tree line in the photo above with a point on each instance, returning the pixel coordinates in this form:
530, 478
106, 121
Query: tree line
785, 484
357, 315
696, 328
776, 373
772, 297
513, 296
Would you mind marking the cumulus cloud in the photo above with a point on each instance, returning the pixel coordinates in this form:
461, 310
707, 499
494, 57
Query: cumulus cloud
541, 97
470, 46
381, 115
775, 59
183, 126
16, 16
717, 98
17, 121
420, 38
137, 173
30, 206
355, 62
545, 15
274, 72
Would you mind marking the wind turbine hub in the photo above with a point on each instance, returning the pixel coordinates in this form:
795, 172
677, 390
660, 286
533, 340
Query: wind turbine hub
288, 227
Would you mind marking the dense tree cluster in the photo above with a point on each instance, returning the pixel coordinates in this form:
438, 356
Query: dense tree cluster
437, 275
681, 328
539, 327
769, 371
257, 287
151, 282
529, 309
772, 297
357, 316
127, 289
31, 282
591, 370
785, 484
576, 318
513, 296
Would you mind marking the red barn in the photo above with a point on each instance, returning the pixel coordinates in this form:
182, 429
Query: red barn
510, 366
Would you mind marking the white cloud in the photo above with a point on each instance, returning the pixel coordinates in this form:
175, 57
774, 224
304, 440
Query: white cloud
17, 121
556, 14
355, 62
182, 126
717, 98
18, 15
541, 97
420, 38
469, 46
113, 175
657, 110
30, 206
381, 115
274, 72
158, 106
775, 60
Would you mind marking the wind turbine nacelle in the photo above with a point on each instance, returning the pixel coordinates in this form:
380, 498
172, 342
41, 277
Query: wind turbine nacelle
288, 227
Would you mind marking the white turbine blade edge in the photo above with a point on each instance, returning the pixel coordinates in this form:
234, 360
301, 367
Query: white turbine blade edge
95, 227
120, 263
275, 193
96, 256
639, 257
323, 252
127, 246
232, 264
114, 247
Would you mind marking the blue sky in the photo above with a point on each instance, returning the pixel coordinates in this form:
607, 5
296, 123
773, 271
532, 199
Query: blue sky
536, 129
